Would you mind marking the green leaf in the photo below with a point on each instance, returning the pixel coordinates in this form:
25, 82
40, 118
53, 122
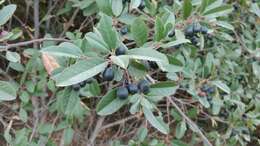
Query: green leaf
225, 25
139, 31
64, 50
162, 89
147, 54
222, 86
187, 8
175, 43
6, 13
176, 142
96, 41
7, 91
45, 128
13, 56
122, 60
110, 104
142, 133
255, 9
68, 136
204, 4
117, 7
23, 115
209, 61
74, 107
154, 121
134, 4
94, 88
219, 11
108, 33
159, 29
105, 6
79, 72
256, 69
180, 129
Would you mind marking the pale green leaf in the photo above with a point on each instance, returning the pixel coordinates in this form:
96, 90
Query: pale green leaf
154, 121
6, 13
7, 91
79, 72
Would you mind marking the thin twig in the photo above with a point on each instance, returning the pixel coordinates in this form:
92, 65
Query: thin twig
36, 21
190, 122
67, 26
8, 46
119, 122
96, 131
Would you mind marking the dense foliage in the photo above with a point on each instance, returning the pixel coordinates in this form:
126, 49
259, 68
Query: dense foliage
130, 72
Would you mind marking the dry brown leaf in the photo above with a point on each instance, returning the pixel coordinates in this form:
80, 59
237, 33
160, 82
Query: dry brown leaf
49, 63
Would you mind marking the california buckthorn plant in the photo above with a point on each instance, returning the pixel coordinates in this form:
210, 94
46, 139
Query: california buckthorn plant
130, 72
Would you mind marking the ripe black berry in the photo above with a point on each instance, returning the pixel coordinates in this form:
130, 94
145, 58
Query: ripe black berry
122, 93
120, 51
194, 40
108, 74
210, 90
171, 34
124, 30
204, 30
76, 87
142, 5
132, 88
143, 86
189, 31
196, 27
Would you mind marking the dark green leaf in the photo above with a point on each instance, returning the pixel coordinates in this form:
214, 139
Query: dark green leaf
139, 31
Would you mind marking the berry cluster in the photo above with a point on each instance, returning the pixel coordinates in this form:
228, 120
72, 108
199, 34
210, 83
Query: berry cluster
192, 31
128, 88
206, 91
76, 87
131, 88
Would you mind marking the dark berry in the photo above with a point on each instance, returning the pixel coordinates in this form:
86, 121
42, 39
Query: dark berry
235, 6
233, 107
142, 5
244, 116
194, 40
196, 28
143, 86
204, 30
76, 87
210, 90
120, 51
209, 36
189, 31
171, 34
224, 114
122, 93
153, 65
132, 88
108, 74
124, 30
